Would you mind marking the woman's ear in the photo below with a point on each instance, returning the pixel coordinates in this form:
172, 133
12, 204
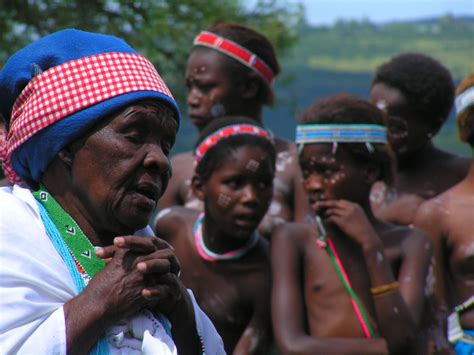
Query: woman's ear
198, 187
249, 86
372, 173
66, 156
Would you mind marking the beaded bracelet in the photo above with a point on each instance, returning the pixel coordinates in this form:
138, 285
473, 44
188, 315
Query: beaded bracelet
384, 290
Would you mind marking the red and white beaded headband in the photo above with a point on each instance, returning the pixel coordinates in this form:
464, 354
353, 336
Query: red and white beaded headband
237, 52
226, 132
73, 86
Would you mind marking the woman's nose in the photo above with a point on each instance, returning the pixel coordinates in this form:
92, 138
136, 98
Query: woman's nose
193, 97
313, 182
249, 193
156, 159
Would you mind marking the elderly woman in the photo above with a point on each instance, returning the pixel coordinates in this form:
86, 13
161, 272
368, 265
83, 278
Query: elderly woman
90, 125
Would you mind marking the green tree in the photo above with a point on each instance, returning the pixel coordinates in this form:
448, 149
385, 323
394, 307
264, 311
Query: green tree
162, 30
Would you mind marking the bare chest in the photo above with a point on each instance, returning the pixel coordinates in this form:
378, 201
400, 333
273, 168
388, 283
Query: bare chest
329, 306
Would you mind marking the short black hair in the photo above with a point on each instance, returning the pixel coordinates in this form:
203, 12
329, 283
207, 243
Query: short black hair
426, 84
218, 154
349, 109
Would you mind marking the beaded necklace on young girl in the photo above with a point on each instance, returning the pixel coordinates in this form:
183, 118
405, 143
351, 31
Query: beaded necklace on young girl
209, 255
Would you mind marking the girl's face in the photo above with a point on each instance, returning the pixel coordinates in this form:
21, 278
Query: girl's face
239, 191
407, 133
328, 176
211, 91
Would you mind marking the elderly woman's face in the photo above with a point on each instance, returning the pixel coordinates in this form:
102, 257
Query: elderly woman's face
121, 168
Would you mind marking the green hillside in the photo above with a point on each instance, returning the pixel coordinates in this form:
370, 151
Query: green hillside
359, 47
342, 58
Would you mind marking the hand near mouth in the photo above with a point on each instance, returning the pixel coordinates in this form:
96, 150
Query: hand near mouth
350, 218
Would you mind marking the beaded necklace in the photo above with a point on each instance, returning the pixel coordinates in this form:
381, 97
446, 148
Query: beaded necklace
76, 250
78, 245
209, 255
326, 243
455, 331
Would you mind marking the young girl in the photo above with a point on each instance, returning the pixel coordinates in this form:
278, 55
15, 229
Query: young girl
230, 72
349, 283
223, 259
447, 220
416, 92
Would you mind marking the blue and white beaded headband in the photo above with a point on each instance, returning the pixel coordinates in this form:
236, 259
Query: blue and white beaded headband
464, 100
341, 133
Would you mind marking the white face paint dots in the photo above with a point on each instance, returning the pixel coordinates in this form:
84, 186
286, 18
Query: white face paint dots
381, 105
252, 165
223, 200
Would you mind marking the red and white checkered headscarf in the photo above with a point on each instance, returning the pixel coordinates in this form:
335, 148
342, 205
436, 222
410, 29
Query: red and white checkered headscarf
82, 90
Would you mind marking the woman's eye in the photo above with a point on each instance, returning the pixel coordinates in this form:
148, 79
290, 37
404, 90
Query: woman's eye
328, 172
234, 183
134, 138
205, 87
265, 184
166, 147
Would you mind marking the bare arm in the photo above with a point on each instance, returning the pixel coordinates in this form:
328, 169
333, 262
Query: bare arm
257, 337
428, 220
416, 257
288, 309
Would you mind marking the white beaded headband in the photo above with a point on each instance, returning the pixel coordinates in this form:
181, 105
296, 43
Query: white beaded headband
343, 133
464, 100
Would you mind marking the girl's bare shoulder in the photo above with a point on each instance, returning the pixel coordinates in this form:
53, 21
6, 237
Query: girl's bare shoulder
174, 218
294, 234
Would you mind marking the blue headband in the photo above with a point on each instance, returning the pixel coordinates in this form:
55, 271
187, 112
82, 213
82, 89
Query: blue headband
343, 133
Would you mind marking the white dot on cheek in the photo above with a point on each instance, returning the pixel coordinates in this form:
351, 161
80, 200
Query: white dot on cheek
379, 257
223, 200
381, 105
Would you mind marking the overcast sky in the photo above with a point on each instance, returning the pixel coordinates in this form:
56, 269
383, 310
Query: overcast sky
319, 12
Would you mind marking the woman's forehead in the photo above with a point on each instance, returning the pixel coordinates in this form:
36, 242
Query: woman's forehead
203, 60
154, 115
324, 153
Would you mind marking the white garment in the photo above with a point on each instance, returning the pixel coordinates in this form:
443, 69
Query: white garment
35, 283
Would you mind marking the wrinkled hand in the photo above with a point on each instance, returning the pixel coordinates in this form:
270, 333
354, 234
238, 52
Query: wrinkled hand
140, 272
349, 217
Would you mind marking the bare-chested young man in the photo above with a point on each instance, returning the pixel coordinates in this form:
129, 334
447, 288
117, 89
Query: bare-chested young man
350, 283
224, 80
417, 93
447, 220
223, 259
